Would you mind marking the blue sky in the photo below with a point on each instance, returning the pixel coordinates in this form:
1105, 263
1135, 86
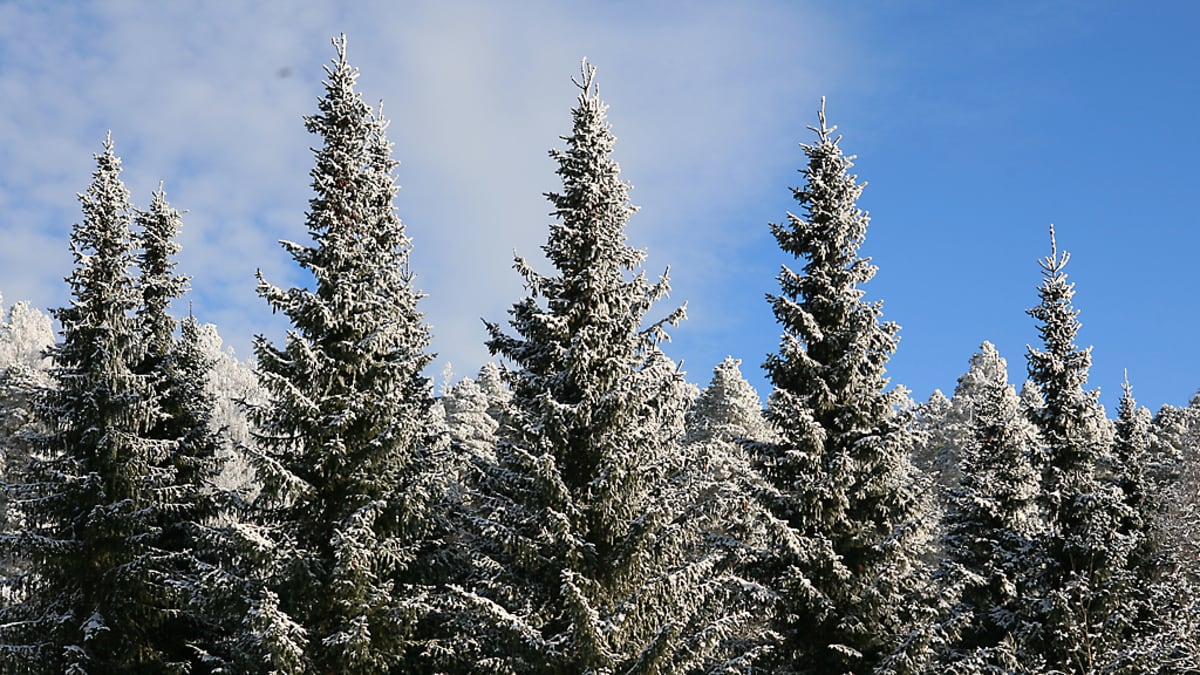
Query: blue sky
976, 126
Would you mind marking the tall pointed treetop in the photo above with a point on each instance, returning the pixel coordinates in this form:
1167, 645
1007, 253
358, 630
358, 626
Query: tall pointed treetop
841, 476
346, 463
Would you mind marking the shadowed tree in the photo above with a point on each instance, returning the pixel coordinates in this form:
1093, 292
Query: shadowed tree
101, 587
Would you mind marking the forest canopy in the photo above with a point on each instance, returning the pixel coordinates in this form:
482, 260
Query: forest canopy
577, 506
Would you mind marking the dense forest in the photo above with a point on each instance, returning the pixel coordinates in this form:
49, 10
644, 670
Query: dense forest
578, 506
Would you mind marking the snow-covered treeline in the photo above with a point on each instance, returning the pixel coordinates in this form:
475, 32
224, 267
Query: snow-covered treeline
578, 506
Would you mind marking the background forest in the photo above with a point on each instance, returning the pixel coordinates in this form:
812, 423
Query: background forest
577, 506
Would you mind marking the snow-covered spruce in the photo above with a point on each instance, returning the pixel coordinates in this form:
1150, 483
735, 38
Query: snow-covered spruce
191, 527
1089, 594
728, 409
349, 484
591, 554
991, 523
25, 335
1175, 472
96, 495
847, 501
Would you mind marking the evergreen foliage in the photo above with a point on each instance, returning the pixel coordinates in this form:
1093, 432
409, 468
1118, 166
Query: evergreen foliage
842, 483
175, 373
1156, 599
1084, 551
1175, 441
581, 509
991, 523
728, 409
466, 405
591, 563
99, 592
949, 424
25, 335
491, 381
346, 473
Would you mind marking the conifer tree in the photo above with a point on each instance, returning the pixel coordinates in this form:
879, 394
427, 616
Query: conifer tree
227, 612
470, 425
1175, 442
234, 389
174, 372
215, 619
933, 423
843, 486
589, 566
728, 408
1136, 471
725, 422
1083, 546
25, 335
98, 594
491, 380
345, 471
991, 522
953, 427
1154, 599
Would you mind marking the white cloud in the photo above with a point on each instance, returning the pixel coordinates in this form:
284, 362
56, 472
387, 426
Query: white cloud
707, 101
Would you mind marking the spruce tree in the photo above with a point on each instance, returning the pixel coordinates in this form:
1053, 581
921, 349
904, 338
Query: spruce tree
991, 523
25, 335
491, 380
588, 564
723, 425
100, 591
470, 425
174, 372
345, 471
234, 388
728, 409
951, 428
843, 486
1083, 547
217, 619
937, 437
1151, 619
1175, 442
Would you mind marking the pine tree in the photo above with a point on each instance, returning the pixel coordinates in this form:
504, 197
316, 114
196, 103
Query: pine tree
98, 595
346, 475
991, 523
1083, 546
842, 483
589, 565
